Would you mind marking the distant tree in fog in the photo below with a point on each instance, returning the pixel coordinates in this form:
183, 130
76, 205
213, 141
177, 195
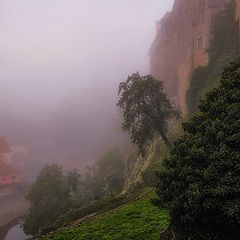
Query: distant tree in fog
92, 188
146, 109
73, 179
110, 170
104, 177
49, 197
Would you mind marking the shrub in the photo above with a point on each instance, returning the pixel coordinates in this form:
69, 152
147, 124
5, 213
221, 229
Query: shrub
200, 182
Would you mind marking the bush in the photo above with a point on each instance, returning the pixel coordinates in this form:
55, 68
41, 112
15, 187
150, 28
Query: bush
200, 182
44, 196
50, 196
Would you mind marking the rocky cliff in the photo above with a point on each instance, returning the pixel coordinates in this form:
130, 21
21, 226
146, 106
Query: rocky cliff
181, 44
193, 43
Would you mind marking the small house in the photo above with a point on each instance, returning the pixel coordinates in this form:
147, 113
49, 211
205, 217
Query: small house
8, 174
5, 151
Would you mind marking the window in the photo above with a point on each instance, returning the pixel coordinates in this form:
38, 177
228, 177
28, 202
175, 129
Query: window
200, 41
189, 52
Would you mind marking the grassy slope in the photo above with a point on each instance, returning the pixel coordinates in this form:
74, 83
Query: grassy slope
135, 221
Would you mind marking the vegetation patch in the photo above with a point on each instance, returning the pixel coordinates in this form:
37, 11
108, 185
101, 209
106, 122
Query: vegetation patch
199, 182
224, 47
134, 221
95, 208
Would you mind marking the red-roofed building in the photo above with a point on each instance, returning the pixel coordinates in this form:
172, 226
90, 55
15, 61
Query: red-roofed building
8, 174
5, 151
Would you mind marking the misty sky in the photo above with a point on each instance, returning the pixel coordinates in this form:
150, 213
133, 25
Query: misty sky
60, 65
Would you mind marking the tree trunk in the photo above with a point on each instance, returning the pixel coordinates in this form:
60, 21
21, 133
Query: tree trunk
167, 234
165, 139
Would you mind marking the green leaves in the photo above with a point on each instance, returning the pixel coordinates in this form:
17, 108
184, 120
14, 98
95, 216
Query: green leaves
139, 220
49, 197
146, 109
200, 182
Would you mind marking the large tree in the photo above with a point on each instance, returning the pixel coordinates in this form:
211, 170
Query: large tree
49, 197
200, 182
146, 109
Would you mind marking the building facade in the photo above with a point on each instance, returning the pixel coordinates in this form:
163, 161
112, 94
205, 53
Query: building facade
8, 175
5, 150
181, 44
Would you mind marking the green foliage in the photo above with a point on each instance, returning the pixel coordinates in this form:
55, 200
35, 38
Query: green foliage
224, 47
200, 182
110, 163
73, 179
135, 187
197, 85
49, 197
104, 177
92, 188
225, 34
97, 207
134, 221
150, 177
110, 170
146, 109
114, 183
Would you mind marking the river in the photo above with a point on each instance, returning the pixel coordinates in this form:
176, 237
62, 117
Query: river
13, 205
16, 233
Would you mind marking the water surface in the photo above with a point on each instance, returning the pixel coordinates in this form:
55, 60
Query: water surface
16, 233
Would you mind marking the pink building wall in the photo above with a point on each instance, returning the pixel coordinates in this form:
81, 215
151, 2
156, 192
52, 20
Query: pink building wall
9, 179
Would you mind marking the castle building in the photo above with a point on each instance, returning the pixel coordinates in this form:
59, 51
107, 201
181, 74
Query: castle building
181, 43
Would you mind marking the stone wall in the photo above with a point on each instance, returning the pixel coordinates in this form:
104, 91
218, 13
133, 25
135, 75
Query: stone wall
238, 11
181, 44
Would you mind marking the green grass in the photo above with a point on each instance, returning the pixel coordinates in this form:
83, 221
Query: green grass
135, 221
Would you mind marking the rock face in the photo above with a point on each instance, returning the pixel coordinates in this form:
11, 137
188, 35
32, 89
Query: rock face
181, 43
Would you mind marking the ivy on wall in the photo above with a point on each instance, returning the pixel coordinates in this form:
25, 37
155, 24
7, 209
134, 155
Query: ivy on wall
224, 46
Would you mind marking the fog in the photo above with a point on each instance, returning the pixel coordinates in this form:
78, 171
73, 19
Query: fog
60, 65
